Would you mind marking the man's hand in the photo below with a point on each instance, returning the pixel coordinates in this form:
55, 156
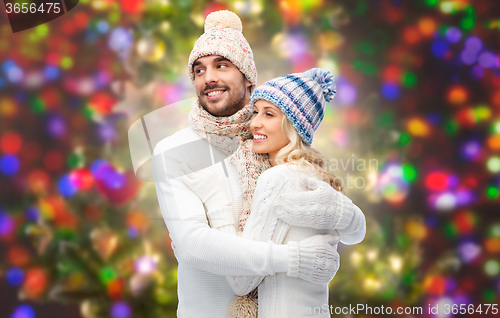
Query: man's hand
208, 185
314, 259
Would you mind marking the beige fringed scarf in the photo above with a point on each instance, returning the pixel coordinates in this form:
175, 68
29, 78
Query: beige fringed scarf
232, 135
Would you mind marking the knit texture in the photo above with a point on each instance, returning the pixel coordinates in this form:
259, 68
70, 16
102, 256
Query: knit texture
205, 255
230, 134
225, 133
223, 36
316, 204
302, 97
310, 257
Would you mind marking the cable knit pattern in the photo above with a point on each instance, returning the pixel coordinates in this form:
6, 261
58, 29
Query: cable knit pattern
305, 284
314, 204
204, 254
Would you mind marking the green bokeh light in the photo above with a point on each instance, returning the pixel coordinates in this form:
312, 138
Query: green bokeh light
467, 23
409, 79
492, 192
404, 139
409, 173
106, 275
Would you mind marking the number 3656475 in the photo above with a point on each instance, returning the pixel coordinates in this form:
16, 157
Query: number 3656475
33, 8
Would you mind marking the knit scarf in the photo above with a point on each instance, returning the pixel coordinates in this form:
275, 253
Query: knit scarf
232, 135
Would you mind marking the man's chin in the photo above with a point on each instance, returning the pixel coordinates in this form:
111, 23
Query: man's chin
215, 108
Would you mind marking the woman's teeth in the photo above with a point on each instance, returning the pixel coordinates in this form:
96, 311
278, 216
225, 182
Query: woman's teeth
215, 93
259, 137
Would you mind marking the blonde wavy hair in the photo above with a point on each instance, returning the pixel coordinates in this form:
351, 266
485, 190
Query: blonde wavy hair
299, 153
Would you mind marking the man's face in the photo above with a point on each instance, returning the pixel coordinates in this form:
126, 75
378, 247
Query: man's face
221, 88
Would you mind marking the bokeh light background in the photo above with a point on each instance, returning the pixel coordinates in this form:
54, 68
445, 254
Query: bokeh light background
414, 133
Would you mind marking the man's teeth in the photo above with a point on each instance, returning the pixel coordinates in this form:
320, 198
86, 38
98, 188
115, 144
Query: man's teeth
259, 137
215, 93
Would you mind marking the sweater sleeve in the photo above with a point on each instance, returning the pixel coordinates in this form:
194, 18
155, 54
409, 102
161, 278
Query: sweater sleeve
196, 243
355, 228
262, 225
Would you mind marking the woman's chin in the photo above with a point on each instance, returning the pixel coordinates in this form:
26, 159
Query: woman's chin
257, 150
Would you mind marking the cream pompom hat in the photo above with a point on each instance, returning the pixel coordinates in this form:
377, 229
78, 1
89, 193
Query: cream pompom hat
223, 36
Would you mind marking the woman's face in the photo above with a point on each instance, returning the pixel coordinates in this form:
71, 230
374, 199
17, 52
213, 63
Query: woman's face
266, 129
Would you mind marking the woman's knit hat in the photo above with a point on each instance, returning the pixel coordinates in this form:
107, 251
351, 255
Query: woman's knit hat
223, 36
301, 96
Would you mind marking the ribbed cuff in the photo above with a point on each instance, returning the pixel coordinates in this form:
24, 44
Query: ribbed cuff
221, 217
293, 259
280, 258
347, 212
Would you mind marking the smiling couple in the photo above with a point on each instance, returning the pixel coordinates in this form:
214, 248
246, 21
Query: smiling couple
253, 215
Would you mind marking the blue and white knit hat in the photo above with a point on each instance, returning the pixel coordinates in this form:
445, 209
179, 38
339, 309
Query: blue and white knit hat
302, 97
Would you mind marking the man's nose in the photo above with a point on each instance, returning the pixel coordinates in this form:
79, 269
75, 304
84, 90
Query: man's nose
211, 75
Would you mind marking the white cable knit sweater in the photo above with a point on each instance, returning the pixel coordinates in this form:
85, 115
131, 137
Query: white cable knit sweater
204, 254
281, 295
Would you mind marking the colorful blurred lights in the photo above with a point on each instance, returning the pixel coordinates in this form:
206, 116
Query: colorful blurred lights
445, 202
492, 267
457, 95
493, 164
6, 224
439, 48
145, 265
66, 187
121, 309
488, 60
391, 91
23, 311
346, 93
418, 127
14, 276
471, 149
453, 35
469, 251
9, 164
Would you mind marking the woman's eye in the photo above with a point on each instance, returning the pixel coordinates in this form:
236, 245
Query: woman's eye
269, 114
255, 112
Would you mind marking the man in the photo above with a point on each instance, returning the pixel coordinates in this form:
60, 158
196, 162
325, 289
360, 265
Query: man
223, 72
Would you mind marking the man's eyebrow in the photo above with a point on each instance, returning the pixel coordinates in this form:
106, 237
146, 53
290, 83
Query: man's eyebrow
196, 63
220, 59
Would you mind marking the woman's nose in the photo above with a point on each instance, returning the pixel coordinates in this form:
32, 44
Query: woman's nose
255, 123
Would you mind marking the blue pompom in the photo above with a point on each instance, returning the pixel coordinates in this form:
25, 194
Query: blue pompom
325, 79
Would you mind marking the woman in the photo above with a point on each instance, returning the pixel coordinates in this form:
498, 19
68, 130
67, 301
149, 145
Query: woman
294, 197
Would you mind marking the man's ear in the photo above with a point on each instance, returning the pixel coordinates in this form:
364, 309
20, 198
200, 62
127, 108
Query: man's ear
248, 85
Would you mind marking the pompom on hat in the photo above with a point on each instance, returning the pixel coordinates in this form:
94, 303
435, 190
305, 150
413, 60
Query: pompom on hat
223, 36
302, 97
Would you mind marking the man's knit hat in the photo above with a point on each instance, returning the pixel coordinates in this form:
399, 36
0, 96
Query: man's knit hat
223, 36
302, 97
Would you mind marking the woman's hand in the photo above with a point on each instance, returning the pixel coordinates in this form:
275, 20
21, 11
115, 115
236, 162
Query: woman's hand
313, 204
208, 184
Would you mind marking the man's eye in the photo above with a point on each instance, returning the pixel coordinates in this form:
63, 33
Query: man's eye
222, 65
198, 71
